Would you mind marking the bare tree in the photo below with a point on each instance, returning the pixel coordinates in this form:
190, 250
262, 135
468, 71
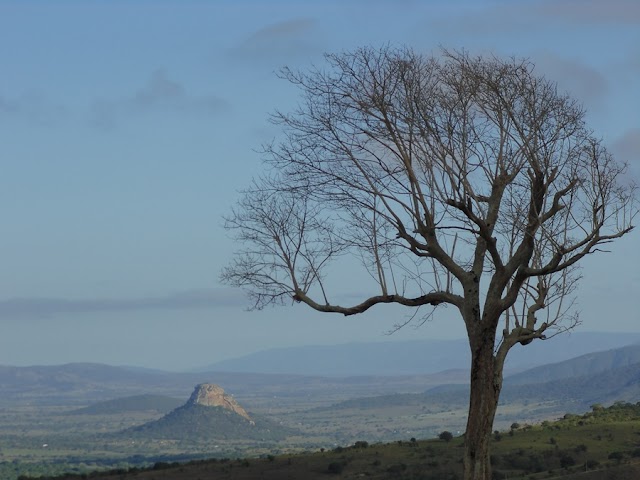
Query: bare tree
457, 180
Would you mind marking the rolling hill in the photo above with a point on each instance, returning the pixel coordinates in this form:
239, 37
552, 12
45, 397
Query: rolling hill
575, 384
82, 384
588, 364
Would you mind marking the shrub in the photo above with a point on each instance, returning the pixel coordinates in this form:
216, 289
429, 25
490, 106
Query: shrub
335, 467
567, 461
397, 468
446, 436
591, 464
616, 456
522, 460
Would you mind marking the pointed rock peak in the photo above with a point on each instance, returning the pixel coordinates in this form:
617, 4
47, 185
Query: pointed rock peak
211, 395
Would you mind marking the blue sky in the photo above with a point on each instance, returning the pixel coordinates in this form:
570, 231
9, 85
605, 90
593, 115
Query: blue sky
127, 129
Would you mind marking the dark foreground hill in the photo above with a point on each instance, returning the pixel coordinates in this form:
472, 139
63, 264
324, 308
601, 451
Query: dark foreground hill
598, 445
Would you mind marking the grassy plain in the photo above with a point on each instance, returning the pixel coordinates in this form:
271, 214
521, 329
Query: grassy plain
45, 431
49, 440
603, 444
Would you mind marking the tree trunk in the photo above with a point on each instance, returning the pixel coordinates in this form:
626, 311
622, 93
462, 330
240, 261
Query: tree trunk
486, 383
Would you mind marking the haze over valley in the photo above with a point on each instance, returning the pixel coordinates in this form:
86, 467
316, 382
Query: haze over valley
105, 416
319, 239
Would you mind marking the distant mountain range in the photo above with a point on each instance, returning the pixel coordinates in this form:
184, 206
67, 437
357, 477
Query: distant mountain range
367, 370
84, 384
597, 377
575, 384
589, 364
580, 392
413, 357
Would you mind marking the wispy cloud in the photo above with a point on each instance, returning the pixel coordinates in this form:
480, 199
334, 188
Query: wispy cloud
502, 19
32, 107
280, 41
590, 12
627, 148
507, 17
581, 80
159, 94
29, 308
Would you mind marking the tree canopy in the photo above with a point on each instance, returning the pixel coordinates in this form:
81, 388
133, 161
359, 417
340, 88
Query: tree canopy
427, 168
455, 180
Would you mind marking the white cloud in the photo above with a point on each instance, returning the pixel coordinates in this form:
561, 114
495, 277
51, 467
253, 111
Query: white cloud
280, 41
31, 308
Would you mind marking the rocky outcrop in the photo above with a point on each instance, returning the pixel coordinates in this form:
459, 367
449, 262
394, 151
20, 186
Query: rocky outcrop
210, 415
211, 395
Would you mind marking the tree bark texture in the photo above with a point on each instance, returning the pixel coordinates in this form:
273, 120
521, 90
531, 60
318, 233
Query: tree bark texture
486, 383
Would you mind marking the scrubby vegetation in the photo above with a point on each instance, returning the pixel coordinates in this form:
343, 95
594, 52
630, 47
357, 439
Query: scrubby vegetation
136, 403
597, 444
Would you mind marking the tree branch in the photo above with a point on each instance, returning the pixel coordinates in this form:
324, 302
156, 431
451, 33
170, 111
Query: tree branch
433, 299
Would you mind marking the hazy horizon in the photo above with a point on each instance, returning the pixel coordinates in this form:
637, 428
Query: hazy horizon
570, 345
